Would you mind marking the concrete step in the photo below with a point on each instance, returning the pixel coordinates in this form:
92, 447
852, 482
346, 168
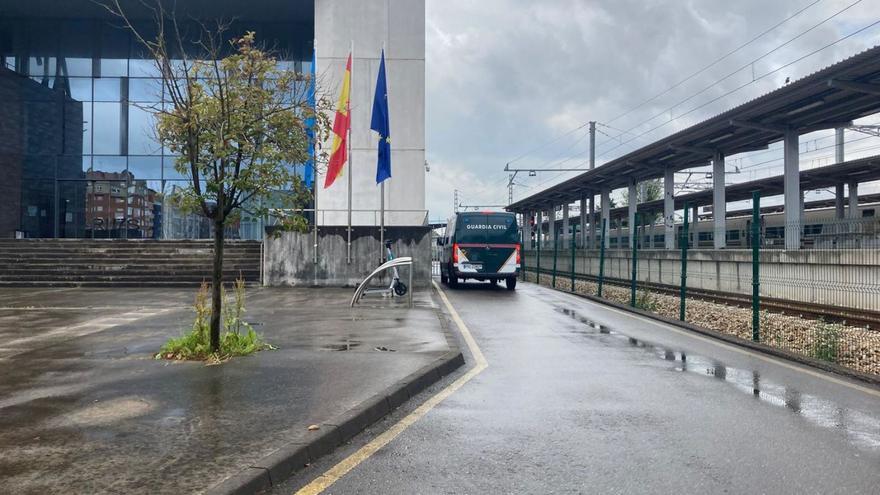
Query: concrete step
122, 255
168, 278
131, 250
125, 270
110, 264
109, 258
121, 241
68, 262
98, 283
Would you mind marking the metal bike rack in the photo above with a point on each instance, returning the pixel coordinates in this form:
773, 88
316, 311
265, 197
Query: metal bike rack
396, 262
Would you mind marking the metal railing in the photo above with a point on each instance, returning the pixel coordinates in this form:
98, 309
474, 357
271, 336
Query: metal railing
821, 300
388, 265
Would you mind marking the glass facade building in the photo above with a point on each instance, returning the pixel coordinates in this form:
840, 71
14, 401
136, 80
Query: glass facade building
78, 152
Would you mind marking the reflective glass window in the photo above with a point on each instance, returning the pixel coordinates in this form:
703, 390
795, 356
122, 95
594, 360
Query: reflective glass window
145, 90
142, 131
108, 89
109, 164
78, 67
42, 69
142, 67
87, 127
145, 167
114, 50
80, 88
169, 171
106, 128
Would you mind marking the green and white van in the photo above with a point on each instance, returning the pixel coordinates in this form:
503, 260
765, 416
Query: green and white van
480, 246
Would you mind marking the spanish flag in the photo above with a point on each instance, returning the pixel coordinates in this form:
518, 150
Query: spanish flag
341, 125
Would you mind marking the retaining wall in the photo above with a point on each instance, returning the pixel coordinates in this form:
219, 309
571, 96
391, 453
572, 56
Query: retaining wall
845, 277
289, 257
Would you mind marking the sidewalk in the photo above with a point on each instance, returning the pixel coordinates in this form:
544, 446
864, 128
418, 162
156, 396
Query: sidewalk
85, 408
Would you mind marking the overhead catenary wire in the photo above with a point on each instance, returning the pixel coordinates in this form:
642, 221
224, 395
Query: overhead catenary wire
677, 84
753, 81
713, 63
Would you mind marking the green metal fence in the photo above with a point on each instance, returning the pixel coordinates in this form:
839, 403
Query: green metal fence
821, 300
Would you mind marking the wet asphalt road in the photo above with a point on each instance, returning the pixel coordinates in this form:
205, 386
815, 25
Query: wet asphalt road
579, 398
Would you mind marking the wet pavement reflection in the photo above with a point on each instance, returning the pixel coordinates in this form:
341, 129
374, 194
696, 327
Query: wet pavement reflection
860, 429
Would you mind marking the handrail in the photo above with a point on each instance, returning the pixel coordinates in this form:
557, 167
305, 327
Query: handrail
403, 261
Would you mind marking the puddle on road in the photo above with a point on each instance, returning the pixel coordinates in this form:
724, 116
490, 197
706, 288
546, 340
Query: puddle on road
861, 429
344, 346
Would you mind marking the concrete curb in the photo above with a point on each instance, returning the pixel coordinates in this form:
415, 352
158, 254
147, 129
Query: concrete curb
293, 457
730, 339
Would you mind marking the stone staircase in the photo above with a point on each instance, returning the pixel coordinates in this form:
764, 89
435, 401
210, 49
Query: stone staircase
121, 263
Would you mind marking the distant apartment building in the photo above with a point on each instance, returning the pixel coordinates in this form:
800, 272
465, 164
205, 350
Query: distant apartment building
119, 205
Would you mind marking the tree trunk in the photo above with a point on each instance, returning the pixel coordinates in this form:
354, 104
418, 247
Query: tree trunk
217, 286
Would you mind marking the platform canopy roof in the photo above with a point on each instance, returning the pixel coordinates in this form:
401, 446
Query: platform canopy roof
863, 170
829, 98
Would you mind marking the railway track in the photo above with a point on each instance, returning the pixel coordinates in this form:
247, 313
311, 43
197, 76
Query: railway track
836, 314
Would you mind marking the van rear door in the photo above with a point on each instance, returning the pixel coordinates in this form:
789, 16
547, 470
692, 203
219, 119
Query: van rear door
486, 243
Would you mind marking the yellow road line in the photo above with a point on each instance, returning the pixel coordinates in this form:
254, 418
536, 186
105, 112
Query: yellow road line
740, 350
331, 476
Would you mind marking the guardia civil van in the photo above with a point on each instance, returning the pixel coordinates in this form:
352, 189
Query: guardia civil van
480, 246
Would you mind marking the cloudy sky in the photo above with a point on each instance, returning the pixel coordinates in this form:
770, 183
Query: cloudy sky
505, 77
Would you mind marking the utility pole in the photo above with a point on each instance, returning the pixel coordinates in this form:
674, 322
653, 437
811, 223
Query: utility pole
591, 238
510, 190
592, 144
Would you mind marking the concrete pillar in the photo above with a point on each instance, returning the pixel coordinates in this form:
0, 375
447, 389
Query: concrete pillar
854, 200
527, 230
619, 233
838, 158
669, 207
802, 208
583, 222
606, 216
536, 229
593, 223
792, 187
545, 218
633, 208
696, 227
551, 227
566, 227
719, 201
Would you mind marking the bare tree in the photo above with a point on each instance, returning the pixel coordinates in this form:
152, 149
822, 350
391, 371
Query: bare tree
235, 120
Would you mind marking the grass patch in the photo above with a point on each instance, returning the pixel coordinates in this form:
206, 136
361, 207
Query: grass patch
237, 337
646, 300
826, 345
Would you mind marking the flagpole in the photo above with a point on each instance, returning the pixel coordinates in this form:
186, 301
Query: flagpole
350, 157
314, 157
382, 200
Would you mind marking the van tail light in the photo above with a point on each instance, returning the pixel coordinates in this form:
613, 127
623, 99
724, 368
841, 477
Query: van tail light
518, 254
455, 253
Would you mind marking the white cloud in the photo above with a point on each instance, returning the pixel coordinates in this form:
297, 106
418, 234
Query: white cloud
504, 76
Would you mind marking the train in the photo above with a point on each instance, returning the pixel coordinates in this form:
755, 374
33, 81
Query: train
821, 229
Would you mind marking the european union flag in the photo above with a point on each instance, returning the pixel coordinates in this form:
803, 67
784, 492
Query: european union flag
309, 173
380, 124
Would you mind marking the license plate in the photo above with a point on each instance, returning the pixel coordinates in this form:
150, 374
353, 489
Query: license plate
472, 266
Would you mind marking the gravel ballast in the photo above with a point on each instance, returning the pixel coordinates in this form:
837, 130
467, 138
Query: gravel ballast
856, 348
